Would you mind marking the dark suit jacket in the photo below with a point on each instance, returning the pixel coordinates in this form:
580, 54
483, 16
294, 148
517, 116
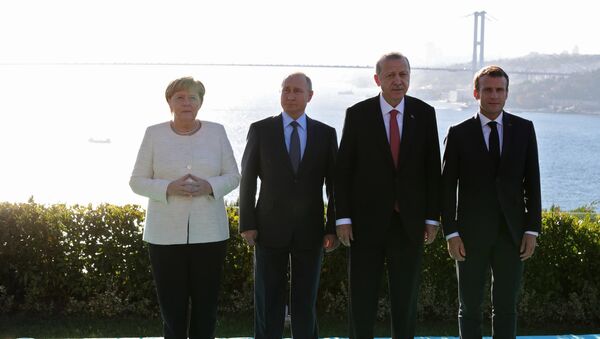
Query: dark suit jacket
483, 195
290, 208
367, 183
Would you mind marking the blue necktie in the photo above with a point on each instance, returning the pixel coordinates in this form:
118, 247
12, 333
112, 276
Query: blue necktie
295, 147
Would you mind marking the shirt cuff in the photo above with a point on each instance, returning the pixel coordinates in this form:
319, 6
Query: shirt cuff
343, 221
452, 235
533, 233
432, 222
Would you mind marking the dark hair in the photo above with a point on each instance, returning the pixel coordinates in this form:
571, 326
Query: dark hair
493, 71
390, 56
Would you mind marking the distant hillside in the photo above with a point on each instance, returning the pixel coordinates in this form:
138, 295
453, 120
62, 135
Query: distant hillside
562, 63
577, 92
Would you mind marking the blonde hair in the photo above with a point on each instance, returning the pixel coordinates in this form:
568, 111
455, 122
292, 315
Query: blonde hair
187, 84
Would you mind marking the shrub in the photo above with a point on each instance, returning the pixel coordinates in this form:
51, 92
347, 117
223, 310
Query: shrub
60, 260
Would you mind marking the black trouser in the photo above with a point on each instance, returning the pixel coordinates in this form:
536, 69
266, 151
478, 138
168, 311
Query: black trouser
402, 257
507, 270
270, 282
183, 274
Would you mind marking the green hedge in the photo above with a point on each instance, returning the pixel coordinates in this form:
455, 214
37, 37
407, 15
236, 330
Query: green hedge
61, 260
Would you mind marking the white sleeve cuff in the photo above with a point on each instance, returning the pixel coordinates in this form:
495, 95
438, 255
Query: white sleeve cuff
343, 221
452, 235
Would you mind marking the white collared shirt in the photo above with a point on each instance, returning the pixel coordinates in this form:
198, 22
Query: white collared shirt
288, 128
487, 129
385, 110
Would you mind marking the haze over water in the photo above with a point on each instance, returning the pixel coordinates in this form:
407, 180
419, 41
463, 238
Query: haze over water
45, 129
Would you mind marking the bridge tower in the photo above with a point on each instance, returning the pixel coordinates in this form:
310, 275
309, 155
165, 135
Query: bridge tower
478, 40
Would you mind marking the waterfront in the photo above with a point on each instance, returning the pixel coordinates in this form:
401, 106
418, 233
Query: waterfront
48, 114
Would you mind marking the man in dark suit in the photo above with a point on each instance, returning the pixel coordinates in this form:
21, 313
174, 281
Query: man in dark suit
387, 197
493, 223
293, 156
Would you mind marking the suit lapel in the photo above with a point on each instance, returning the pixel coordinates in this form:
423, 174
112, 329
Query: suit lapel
378, 129
279, 142
311, 144
477, 130
408, 129
507, 139
480, 145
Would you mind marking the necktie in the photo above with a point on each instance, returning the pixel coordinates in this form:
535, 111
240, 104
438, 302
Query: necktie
295, 147
494, 144
394, 137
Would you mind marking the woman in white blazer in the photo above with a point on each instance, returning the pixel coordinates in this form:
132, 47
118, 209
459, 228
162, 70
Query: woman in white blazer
185, 167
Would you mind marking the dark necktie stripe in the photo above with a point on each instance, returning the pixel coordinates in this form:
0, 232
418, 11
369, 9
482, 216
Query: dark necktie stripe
494, 144
295, 147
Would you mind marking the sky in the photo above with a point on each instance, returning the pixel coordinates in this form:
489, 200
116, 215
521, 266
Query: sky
429, 32
48, 112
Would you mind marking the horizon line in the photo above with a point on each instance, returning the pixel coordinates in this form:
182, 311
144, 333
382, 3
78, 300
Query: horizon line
438, 68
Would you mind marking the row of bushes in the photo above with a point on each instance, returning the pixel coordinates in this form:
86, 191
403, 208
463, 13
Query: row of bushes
61, 260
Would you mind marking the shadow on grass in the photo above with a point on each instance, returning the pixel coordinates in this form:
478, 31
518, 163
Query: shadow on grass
236, 325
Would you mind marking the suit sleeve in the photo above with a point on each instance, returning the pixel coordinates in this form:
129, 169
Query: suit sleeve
142, 179
329, 182
531, 183
434, 170
250, 170
450, 173
229, 177
345, 166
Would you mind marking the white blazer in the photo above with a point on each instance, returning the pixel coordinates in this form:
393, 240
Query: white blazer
165, 156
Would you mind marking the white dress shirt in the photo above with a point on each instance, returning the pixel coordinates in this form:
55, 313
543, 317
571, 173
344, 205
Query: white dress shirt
487, 129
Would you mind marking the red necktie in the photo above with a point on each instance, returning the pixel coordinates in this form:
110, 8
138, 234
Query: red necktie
394, 137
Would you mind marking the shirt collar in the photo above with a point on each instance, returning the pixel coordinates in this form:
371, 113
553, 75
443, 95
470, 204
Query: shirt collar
484, 120
386, 108
287, 120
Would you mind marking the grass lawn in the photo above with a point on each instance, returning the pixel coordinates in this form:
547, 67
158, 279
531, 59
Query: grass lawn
229, 326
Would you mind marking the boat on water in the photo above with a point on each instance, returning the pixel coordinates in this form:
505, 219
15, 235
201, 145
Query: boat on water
99, 141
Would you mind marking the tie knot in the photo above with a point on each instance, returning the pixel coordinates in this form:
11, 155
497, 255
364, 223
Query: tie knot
294, 124
394, 113
492, 124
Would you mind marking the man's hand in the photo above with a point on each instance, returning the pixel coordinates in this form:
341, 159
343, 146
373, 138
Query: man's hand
330, 242
527, 246
344, 233
430, 233
250, 236
456, 248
